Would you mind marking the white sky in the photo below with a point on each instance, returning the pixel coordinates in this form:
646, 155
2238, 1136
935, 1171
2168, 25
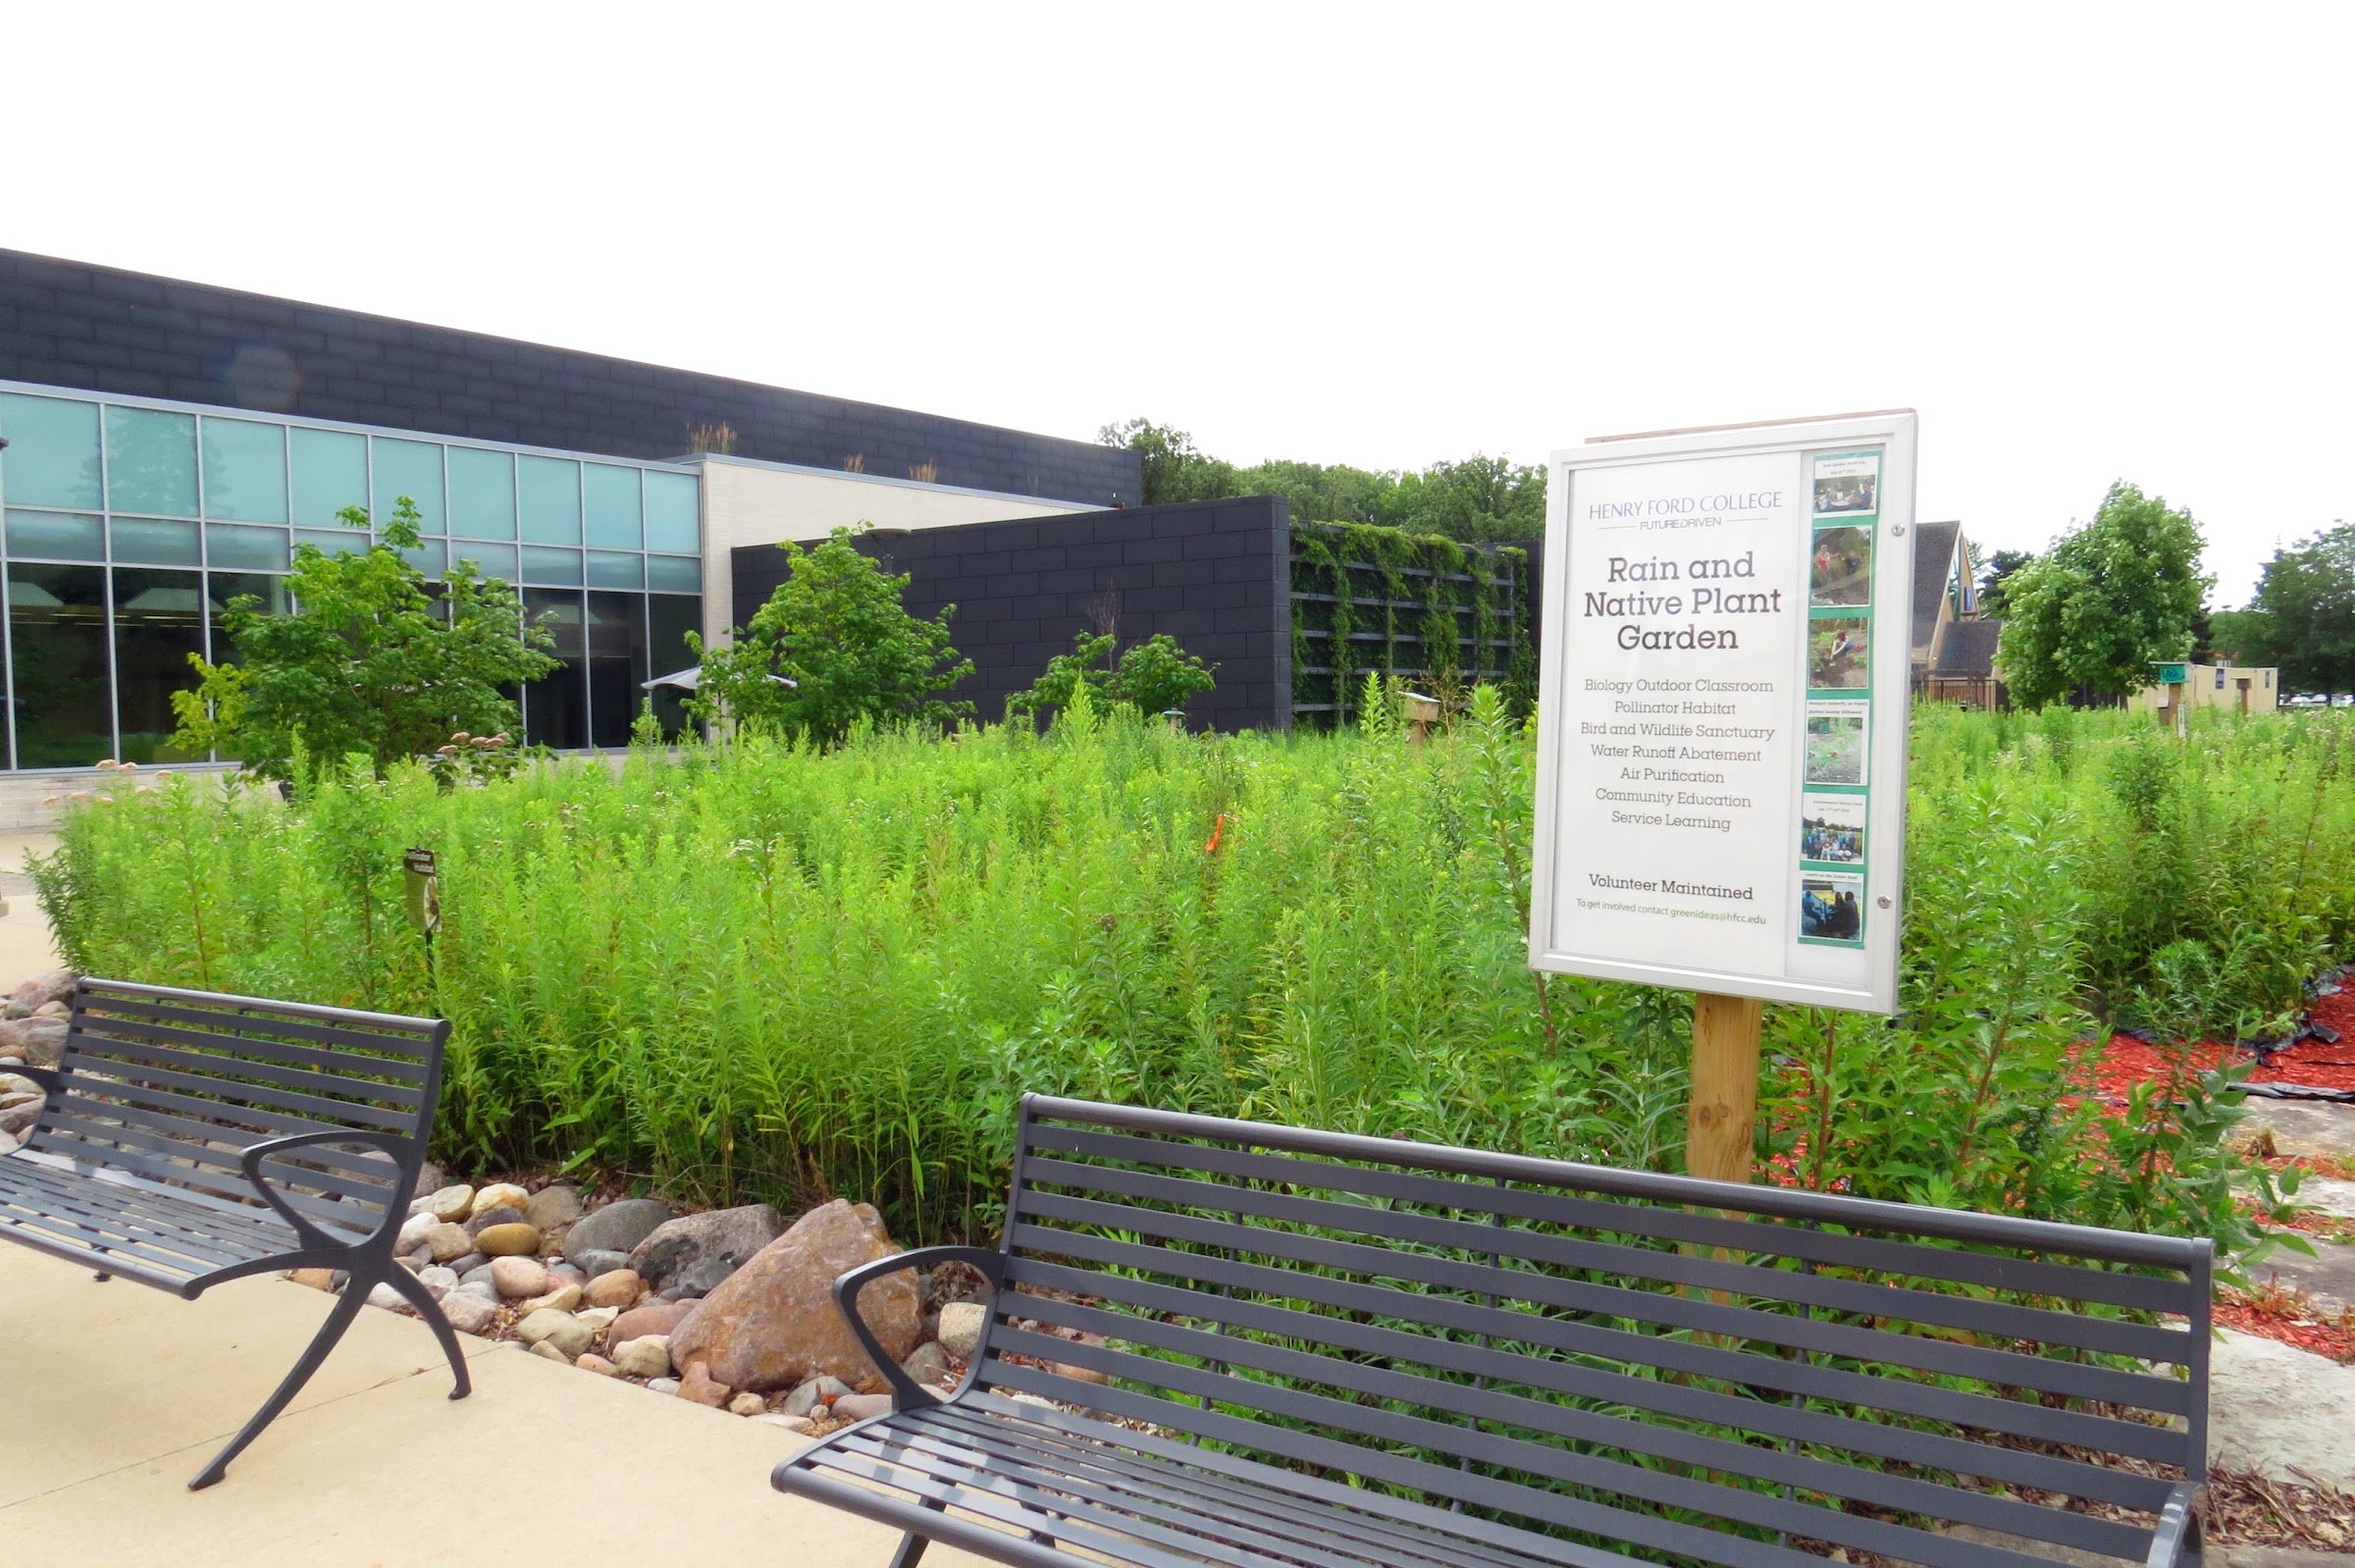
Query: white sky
2086, 242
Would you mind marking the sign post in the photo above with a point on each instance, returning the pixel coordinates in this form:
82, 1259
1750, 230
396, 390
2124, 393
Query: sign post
1722, 703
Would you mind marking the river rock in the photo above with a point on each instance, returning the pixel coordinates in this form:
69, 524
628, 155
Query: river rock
439, 1281
699, 1279
18, 1118
560, 1329
449, 1243
499, 1195
504, 1214
384, 1295
747, 1404
316, 1278
548, 1349
519, 1279
734, 1234
599, 1319
816, 1391
615, 1228
774, 1322
861, 1406
555, 1206
508, 1240
469, 1313
40, 1041
647, 1357
412, 1233
429, 1179
619, 1287
960, 1328
471, 1262
800, 1425
655, 1316
50, 986
17, 1083
598, 1262
562, 1296
451, 1203
662, 1385
698, 1384
591, 1362
929, 1365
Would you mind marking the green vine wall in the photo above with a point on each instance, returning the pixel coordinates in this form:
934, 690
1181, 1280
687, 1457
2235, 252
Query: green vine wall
1430, 610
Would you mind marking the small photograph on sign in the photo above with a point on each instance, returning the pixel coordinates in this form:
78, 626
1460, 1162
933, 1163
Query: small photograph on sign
1836, 653
1840, 574
1848, 487
1831, 907
1835, 743
1831, 829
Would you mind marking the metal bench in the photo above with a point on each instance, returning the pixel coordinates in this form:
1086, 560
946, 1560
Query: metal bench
1337, 1351
191, 1138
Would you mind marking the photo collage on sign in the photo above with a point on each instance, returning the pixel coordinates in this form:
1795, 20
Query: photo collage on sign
1832, 847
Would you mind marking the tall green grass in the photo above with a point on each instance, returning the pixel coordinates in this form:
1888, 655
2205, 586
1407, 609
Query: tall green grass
762, 971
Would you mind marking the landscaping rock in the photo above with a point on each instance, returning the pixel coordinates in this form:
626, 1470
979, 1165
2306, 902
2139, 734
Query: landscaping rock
10, 1008
439, 1281
647, 1357
499, 1195
469, 1313
40, 1041
547, 1348
816, 1391
429, 1179
731, 1234
449, 1243
698, 1384
479, 1275
504, 1214
2273, 1409
316, 1278
563, 1298
471, 1262
595, 1363
655, 1316
412, 1233
553, 1206
929, 1365
748, 1404
384, 1295
17, 1083
509, 1241
960, 1328
599, 1319
480, 1287
53, 1009
615, 1228
616, 1288
800, 1425
664, 1385
561, 1329
698, 1279
16, 1120
519, 1279
773, 1324
598, 1262
45, 988
861, 1406
451, 1203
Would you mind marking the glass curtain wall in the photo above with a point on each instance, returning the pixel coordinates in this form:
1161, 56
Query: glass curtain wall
127, 527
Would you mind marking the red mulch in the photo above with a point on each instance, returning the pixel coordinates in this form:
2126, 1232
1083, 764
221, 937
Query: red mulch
2287, 1316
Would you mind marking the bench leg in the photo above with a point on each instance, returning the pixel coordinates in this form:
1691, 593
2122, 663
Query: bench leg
413, 1291
347, 1307
102, 1278
912, 1544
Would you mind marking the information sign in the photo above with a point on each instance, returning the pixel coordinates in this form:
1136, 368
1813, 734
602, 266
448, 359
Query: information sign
1723, 688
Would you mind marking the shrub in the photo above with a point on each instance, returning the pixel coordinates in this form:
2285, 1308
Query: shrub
1154, 676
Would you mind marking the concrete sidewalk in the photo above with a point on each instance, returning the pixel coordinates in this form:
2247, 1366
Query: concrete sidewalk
116, 1393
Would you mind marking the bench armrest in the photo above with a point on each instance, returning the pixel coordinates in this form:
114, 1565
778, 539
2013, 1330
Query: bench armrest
393, 1143
906, 1391
2178, 1532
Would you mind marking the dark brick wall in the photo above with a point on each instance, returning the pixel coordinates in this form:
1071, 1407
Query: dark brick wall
1215, 575
67, 324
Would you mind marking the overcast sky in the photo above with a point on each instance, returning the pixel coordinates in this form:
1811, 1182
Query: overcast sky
2086, 242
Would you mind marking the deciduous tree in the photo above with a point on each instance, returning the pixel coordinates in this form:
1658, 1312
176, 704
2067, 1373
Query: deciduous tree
2106, 602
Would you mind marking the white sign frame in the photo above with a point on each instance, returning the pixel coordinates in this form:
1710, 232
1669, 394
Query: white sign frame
1889, 685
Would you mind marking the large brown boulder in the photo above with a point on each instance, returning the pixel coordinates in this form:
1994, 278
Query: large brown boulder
773, 1322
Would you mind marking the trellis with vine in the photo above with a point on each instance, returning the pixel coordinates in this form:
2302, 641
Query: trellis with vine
1418, 606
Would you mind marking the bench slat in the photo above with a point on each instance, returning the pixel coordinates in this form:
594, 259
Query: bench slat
239, 1224
97, 1145
94, 1129
237, 1057
221, 1094
1708, 1228
178, 1251
299, 1019
354, 1174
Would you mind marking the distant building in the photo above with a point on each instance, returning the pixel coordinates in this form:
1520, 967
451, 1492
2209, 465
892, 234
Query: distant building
1953, 648
2246, 689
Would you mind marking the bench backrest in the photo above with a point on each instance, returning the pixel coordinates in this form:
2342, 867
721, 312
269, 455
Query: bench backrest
173, 1085
1604, 1353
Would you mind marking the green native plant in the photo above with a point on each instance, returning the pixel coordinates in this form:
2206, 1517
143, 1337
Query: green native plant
367, 661
1155, 676
838, 629
2105, 603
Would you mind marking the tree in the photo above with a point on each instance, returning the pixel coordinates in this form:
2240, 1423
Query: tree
1995, 580
1482, 499
1155, 676
2302, 616
367, 661
1174, 470
839, 630
2106, 602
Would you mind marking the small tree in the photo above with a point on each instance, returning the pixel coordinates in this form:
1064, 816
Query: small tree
1155, 676
2106, 602
2302, 616
366, 662
1995, 580
837, 627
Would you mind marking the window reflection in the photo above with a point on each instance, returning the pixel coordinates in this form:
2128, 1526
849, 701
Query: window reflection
57, 661
556, 708
159, 621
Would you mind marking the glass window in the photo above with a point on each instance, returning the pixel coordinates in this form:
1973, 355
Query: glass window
612, 502
669, 621
70, 534
427, 557
549, 488
153, 542
616, 664
491, 560
482, 494
245, 549
151, 461
331, 473
411, 468
222, 587
159, 621
611, 569
244, 470
57, 653
342, 539
556, 566
674, 574
670, 513
556, 708
52, 456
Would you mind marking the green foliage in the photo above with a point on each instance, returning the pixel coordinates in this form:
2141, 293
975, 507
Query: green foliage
368, 663
837, 628
766, 969
2302, 616
1173, 469
2105, 602
1995, 580
1153, 677
1440, 614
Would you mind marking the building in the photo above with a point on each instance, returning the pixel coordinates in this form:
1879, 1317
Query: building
169, 444
1952, 649
2251, 689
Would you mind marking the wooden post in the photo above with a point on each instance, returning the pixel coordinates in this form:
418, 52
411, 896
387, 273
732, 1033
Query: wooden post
1722, 1120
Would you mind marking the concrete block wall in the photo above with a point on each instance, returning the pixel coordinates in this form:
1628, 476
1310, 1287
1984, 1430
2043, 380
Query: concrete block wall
1215, 575
70, 324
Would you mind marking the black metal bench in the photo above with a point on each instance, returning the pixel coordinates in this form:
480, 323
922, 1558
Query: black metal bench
1341, 1351
191, 1138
